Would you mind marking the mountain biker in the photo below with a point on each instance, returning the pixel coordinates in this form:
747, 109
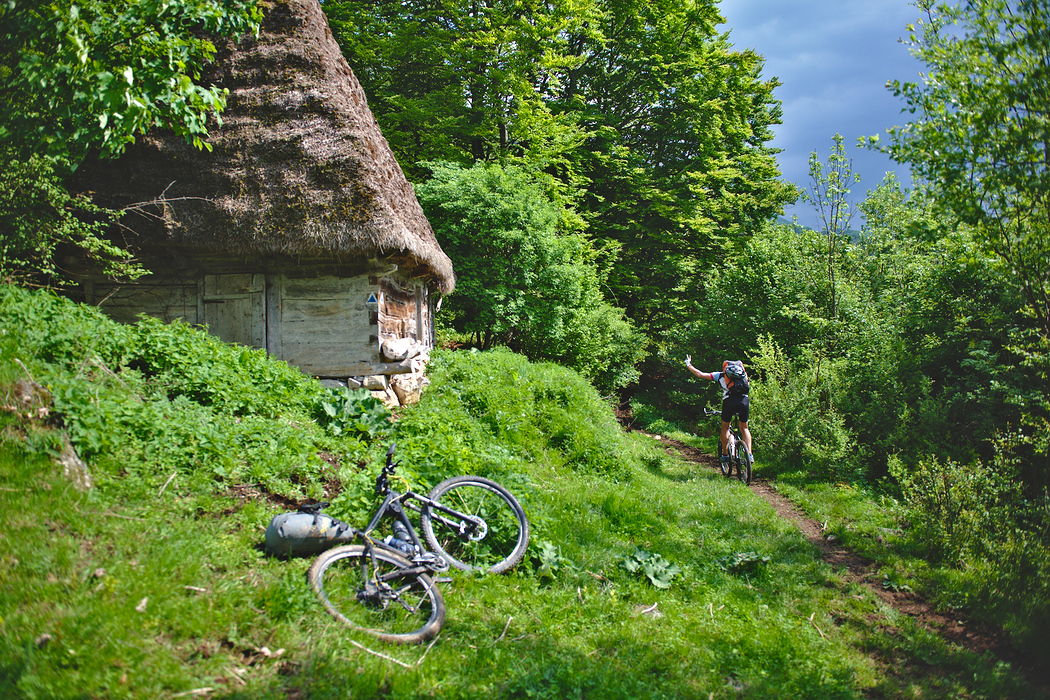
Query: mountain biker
731, 404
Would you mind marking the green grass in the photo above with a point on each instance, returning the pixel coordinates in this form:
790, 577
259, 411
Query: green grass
153, 584
1000, 588
76, 567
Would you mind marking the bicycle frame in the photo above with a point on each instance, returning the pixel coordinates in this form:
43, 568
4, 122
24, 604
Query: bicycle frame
734, 432
394, 505
731, 443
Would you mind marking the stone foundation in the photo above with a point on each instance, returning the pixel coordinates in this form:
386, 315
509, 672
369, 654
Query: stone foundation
401, 389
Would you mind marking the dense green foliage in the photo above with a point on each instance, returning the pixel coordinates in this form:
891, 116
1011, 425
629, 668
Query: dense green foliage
923, 342
38, 214
88, 76
353, 411
981, 137
141, 402
679, 166
918, 381
642, 113
524, 282
647, 578
981, 130
150, 398
539, 411
974, 517
92, 74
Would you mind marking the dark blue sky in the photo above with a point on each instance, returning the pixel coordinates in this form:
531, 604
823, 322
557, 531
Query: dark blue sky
833, 58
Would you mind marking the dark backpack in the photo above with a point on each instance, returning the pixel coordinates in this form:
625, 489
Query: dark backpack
736, 377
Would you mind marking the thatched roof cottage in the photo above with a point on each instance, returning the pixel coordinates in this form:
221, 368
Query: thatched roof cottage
298, 232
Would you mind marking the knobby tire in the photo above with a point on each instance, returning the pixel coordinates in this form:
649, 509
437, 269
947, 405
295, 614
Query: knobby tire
497, 549
389, 598
743, 462
725, 462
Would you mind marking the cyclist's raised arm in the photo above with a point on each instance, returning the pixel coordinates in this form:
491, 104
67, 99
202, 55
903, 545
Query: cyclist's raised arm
694, 370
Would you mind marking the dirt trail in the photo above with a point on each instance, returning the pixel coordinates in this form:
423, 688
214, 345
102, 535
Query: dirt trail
854, 568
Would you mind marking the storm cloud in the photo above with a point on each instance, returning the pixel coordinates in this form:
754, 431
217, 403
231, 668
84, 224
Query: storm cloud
833, 59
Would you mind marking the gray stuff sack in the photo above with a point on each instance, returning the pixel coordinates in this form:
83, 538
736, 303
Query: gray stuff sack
306, 532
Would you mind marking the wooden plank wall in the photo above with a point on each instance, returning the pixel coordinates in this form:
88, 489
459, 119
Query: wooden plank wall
163, 299
321, 324
400, 313
232, 307
325, 327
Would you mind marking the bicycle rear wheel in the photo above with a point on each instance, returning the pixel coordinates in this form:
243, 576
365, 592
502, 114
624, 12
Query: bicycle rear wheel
385, 596
743, 462
497, 546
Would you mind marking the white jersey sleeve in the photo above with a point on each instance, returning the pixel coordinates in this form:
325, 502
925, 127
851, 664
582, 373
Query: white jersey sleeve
720, 377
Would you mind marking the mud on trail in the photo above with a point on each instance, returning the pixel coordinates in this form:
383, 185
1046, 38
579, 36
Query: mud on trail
854, 568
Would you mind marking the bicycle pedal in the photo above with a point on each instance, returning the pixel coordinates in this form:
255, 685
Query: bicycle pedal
442, 579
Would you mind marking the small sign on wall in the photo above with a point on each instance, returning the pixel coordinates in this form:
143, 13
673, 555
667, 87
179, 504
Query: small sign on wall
373, 300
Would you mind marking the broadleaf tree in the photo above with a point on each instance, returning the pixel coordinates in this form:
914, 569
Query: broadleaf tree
527, 278
83, 76
677, 155
37, 214
981, 132
640, 111
980, 138
829, 191
464, 81
78, 75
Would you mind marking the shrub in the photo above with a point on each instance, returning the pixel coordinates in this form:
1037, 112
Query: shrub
527, 278
144, 401
951, 502
991, 544
47, 329
793, 424
186, 361
651, 419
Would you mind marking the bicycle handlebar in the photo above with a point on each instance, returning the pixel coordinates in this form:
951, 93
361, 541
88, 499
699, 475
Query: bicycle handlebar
717, 412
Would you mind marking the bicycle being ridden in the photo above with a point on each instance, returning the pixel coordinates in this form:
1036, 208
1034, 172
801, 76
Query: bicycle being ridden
734, 454
735, 402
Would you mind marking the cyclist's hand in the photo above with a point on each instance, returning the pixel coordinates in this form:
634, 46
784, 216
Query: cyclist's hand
688, 359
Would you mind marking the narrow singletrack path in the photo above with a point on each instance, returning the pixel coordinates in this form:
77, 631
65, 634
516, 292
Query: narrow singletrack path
857, 569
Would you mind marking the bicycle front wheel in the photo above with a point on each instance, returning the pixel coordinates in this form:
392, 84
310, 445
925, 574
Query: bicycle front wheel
379, 593
496, 546
725, 462
743, 462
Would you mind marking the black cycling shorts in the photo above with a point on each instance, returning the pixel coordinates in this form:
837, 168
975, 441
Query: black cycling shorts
738, 405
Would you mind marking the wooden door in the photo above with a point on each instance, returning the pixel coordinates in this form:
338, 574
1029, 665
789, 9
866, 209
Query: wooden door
235, 309
323, 325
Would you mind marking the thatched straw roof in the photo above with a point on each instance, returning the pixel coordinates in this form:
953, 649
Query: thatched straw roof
299, 166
